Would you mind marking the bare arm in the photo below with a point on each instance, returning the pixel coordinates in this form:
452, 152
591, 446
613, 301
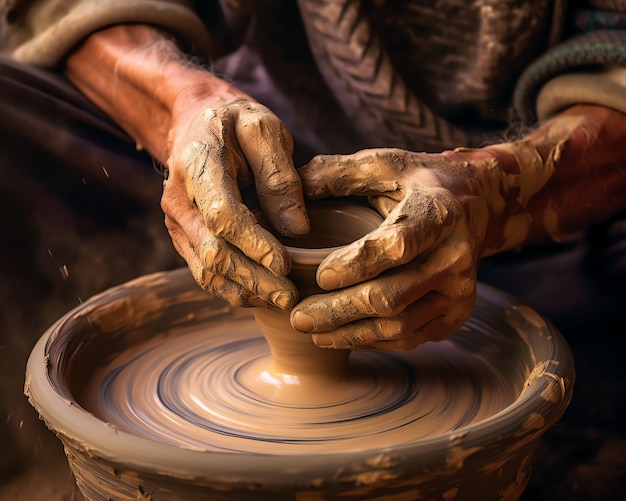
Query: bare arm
214, 139
140, 78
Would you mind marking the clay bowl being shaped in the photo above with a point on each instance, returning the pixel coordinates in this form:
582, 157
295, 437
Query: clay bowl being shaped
160, 391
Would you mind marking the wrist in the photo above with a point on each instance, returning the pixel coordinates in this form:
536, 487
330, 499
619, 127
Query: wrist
506, 180
139, 76
524, 183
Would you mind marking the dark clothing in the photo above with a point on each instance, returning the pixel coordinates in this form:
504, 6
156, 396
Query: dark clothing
79, 212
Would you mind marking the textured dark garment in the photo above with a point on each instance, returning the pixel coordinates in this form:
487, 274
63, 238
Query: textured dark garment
424, 75
427, 75
79, 212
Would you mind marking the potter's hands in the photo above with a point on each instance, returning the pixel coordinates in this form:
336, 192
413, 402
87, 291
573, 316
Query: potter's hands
414, 278
217, 149
215, 140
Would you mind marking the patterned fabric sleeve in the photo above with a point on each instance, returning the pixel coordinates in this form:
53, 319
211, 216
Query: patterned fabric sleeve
597, 44
41, 32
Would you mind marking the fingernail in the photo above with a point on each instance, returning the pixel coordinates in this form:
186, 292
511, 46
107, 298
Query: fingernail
323, 340
295, 221
302, 322
329, 279
282, 299
267, 260
276, 263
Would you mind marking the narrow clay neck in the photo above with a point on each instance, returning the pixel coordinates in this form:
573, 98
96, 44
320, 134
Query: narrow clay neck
333, 224
293, 352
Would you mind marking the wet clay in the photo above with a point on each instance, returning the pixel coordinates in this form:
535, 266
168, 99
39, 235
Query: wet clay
223, 389
160, 391
261, 387
214, 387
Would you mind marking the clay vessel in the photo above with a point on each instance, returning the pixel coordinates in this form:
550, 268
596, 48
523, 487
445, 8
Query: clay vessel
506, 354
333, 224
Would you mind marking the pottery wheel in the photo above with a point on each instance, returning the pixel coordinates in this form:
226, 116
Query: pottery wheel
209, 386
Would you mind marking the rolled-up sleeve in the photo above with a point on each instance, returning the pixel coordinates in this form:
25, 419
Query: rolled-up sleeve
42, 32
605, 86
587, 67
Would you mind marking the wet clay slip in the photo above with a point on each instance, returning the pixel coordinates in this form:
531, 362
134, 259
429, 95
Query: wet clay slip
160, 391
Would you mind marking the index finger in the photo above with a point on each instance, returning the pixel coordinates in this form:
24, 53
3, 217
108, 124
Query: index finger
414, 227
367, 172
268, 148
218, 199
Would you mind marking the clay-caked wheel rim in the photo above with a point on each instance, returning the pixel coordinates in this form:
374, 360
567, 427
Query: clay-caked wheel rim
543, 401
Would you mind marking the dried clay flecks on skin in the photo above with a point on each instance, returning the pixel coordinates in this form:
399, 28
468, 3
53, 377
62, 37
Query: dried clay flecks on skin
428, 227
216, 155
535, 171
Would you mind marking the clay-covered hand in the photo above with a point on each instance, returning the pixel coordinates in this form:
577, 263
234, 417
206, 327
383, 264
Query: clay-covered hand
215, 141
217, 150
414, 278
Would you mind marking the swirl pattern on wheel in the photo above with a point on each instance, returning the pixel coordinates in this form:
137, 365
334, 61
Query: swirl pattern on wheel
211, 387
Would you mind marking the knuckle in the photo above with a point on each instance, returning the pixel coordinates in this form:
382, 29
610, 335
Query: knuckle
382, 300
461, 265
281, 181
170, 205
170, 222
218, 217
349, 339
369, 250
219, 287
399, 245
447, 207
465, 287
439, 210
254, 123
262, 122
318, 160
193, 158
209, 115
216, 256
193, 150
393, 158
390, 328
166, 206
222, 263
177, 235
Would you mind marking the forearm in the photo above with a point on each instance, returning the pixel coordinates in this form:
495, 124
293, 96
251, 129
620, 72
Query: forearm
566, 175
214, 140
140, 78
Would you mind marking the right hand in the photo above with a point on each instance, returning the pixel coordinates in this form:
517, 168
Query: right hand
218, 147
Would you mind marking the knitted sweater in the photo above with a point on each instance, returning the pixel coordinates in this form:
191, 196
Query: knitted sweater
421, 75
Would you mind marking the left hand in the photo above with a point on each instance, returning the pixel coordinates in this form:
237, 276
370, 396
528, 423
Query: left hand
217, 147
413, 279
